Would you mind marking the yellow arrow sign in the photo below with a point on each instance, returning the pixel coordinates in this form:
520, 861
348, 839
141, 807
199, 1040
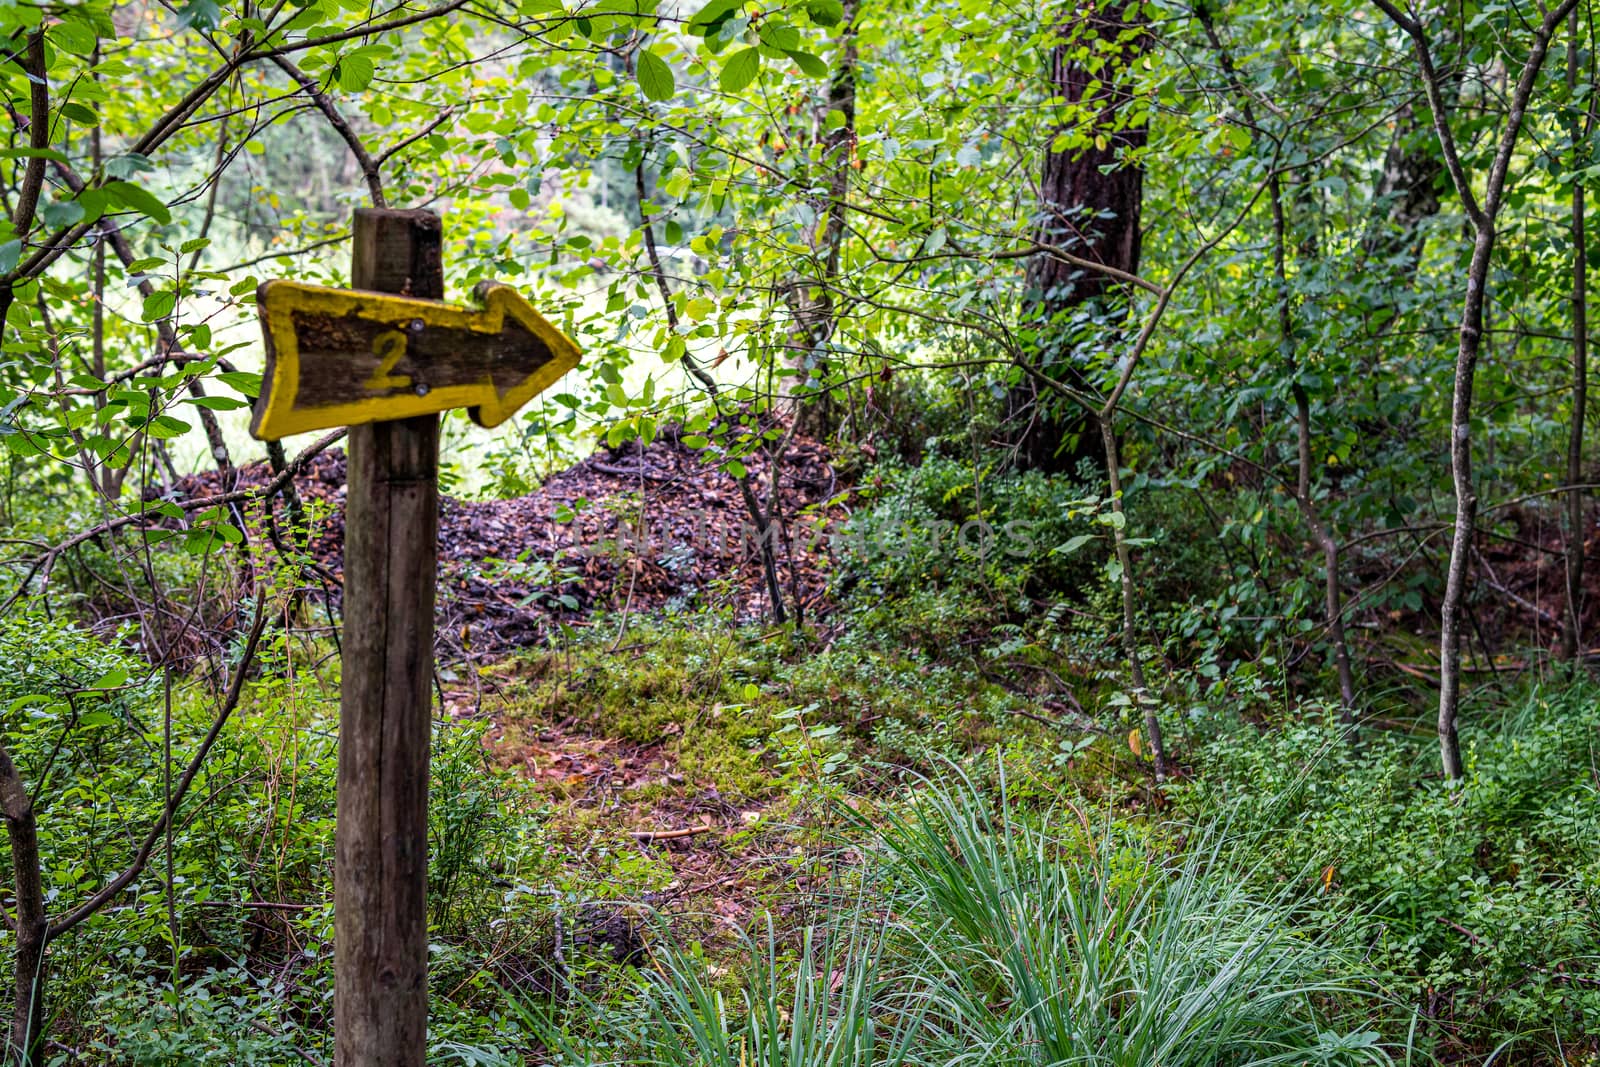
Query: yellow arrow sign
340, 357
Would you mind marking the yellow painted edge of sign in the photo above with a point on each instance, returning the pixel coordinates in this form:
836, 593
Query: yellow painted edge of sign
276, 415
564, 355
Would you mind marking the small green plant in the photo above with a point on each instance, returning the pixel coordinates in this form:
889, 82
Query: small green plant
946, 524
220, 1018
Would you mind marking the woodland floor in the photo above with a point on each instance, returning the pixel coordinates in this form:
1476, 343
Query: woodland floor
639, 531
628, 533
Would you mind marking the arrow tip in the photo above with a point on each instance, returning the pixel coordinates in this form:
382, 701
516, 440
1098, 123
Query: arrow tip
564, 354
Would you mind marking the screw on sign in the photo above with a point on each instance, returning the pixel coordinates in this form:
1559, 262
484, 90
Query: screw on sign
385, 358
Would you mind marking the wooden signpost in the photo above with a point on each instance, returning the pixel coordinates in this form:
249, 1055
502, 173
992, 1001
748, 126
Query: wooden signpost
385, 358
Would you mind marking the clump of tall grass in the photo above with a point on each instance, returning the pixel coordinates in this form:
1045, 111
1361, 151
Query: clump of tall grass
827, 1005
1094, 948
985, 937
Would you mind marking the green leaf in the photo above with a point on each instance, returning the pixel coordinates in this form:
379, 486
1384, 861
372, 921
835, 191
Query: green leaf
245, 382
21, 444
141, 200
59, 214
825, 12
126, 166
10, 252
808, 63
217, 403
740, 70
33, 153
655, 76
78, 113
158, 305
94, 204
779, 35
75, 35
1073, 544
714, 14
199, 541
354, 73
165, 426
115, 678
201, 14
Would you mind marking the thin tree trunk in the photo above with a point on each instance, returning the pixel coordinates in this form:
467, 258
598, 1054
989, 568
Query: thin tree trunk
1466, 501
1332, 597
816, 409
762, 519
1482, 216
1333, 609
33, 174
1130, 614
1571, 644
25, 1041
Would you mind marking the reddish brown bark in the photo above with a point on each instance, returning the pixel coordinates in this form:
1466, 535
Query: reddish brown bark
1090, 199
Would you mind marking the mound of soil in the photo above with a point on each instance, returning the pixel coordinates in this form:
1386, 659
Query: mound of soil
635, 528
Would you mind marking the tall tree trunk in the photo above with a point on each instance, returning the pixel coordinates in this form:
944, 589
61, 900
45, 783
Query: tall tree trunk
1571, 644
1089, 206
811, 299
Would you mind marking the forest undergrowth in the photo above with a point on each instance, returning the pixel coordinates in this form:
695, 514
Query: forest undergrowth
921, 832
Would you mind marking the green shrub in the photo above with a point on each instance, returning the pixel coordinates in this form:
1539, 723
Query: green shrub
1479, 899
946, 524
220, 1018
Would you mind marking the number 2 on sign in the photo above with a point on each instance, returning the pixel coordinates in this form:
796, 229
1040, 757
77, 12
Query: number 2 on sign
390, 348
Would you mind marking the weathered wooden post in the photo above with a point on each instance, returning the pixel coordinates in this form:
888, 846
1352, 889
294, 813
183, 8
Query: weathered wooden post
386, 365
391, 536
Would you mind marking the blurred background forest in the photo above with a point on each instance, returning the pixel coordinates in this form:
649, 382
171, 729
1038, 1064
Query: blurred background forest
1071, 540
